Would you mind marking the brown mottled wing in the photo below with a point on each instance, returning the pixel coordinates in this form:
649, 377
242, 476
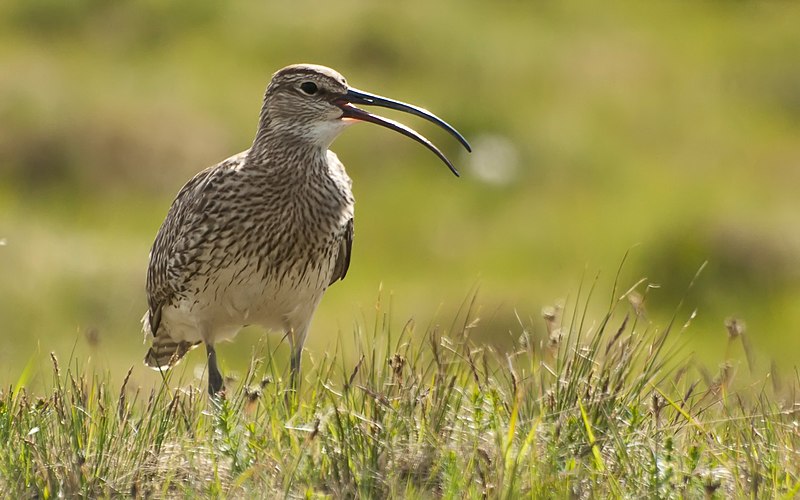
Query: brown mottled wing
173, 258
162, 273
343, 258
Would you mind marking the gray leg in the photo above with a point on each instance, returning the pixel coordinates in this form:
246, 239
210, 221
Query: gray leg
297, 354
297, 338
290, 396
214, 376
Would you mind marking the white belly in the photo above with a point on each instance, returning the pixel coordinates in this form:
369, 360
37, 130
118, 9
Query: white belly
238, 296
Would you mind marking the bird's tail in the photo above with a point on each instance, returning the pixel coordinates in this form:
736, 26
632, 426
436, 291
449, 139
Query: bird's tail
165, 352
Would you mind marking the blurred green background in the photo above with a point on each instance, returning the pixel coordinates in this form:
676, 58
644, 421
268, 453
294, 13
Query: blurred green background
670, 129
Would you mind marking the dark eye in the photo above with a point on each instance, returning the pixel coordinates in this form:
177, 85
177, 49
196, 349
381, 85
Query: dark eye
309, 88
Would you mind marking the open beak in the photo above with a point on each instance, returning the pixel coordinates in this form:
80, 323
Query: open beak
349, 110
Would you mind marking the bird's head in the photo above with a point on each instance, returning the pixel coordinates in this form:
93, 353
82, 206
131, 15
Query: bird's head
314, 104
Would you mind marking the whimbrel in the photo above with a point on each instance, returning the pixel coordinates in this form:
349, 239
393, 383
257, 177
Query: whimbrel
259, 237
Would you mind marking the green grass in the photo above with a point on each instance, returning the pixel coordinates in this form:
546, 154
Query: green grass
587, 408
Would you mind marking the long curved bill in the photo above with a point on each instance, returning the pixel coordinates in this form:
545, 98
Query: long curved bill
349, 110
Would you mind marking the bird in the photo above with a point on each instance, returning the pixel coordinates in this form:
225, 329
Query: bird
259, 237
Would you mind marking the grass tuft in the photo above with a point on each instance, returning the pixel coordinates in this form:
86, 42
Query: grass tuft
579, 409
